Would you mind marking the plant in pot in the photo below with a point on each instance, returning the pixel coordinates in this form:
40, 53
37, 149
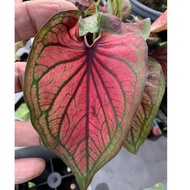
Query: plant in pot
91, 85
148, 8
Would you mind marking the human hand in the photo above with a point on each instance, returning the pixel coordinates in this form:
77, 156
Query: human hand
29, 18
27, 168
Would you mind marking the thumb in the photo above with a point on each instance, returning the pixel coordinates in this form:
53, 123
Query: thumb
28, 168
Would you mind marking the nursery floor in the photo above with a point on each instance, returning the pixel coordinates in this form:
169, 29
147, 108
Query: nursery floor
145, 171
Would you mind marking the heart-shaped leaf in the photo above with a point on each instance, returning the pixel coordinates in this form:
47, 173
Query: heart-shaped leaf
147, 110
82, 98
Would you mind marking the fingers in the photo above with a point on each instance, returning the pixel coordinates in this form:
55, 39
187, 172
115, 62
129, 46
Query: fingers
28, 168
25, 134
19, 75
31, 15
18, 1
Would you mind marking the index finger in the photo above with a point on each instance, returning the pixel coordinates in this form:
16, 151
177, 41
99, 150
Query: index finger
31, 15
25, 134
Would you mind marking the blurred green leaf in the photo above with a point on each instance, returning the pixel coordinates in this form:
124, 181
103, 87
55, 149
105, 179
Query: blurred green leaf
158, 186
23, 113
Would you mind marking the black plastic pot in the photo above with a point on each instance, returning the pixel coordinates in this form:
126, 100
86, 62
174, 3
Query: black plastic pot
138, 9
56, 176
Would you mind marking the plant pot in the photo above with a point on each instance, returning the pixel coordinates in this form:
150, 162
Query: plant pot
56, 176
138, 9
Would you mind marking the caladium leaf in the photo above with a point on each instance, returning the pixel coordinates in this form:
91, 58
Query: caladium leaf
160, 24
118, 8
143, 25
115, 8
90, 24
160, 55
82, 98
114, 24
147, 110
91, 9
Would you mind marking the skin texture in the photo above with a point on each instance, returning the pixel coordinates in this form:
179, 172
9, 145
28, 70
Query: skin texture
31, 15
29, 18
31, 168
